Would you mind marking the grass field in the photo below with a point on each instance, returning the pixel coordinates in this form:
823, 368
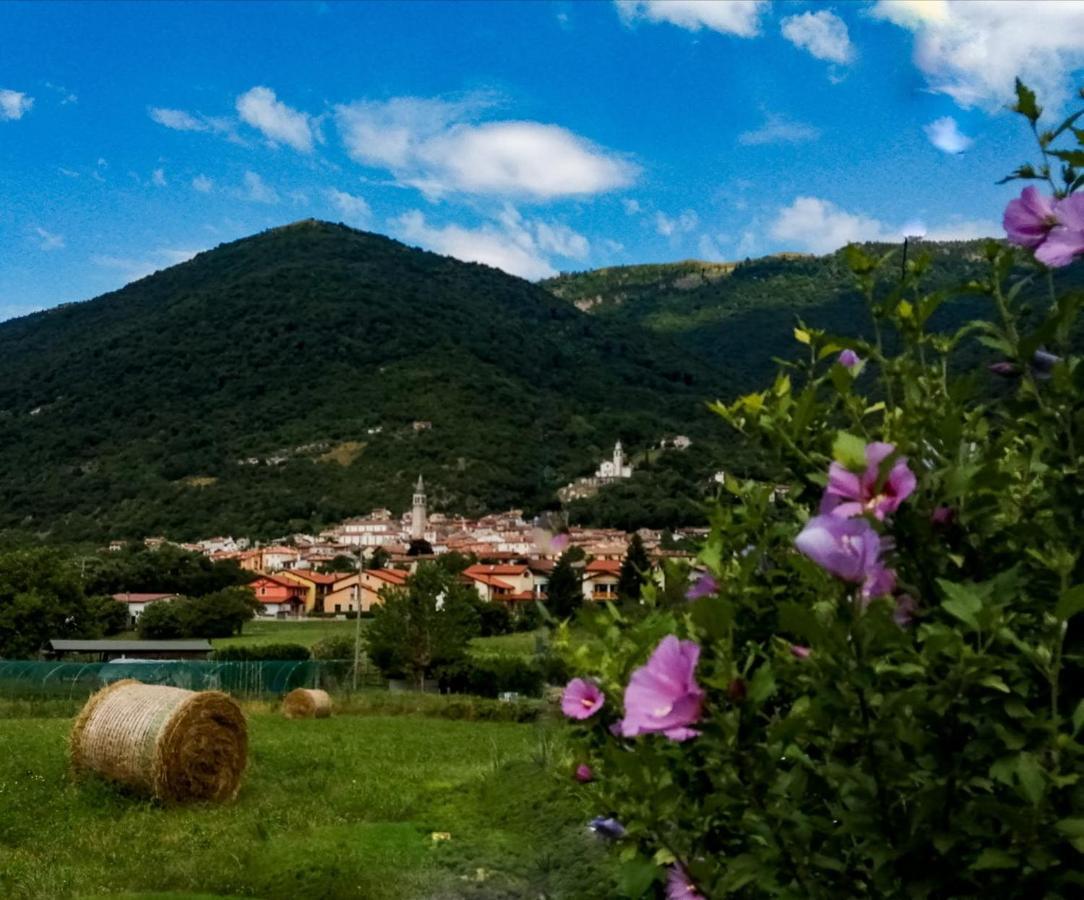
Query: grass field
336, 808
298, 631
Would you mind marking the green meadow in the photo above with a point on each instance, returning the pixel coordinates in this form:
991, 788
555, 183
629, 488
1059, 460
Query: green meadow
359, 806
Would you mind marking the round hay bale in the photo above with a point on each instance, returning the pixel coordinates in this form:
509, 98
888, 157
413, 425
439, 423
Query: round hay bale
304, 703
165, 742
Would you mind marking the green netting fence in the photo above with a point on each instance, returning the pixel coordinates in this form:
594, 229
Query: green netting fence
28, 680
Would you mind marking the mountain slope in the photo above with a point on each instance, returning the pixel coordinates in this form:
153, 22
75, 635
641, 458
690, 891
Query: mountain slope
737, 317
273, 384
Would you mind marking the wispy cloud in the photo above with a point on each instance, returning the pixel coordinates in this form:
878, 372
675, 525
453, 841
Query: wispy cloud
945, 135
257, 190
50, 241
14, 105
511, 242
681, 224
279, 123
203, 184
737, 17
181, 120
973, 51
158, 178
434, 146
134, 268
819, 226
350, 206
823, 34
779, 130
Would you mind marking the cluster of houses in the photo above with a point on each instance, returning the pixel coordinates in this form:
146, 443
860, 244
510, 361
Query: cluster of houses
513, 561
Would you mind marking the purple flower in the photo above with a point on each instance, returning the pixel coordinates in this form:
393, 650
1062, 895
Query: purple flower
905, 610
679, 886
1042, 364
943, 515
1065, 241
848, 359
849, 549
1005, 369
800, 652
1029, 219
704, 586
581, 699
607, 827
663, 695
849, 494
584, 774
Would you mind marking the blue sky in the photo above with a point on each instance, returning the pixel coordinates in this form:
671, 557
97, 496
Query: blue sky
539, 137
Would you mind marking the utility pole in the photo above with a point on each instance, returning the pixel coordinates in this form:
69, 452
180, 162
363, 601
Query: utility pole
357, 614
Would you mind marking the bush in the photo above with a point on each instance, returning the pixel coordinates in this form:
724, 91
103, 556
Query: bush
161, 621
262, 652
491, 676
335, 647
494, 617
875, 689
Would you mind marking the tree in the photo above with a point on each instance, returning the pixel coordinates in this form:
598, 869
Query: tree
425, 624
634, 567
564, 594
343, 563
220, 614
40, 598
420, 547
379, 559
109, 616
161, 621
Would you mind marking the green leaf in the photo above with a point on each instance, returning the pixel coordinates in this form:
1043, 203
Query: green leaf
963, 601
1078, 717
635, 877
992, 681
1073, 828
1030, 775
1073, 157
762, 685
1026, 104
1070, 602
991, 858
849, 451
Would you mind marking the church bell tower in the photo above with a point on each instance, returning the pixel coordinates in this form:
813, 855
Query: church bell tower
418, 515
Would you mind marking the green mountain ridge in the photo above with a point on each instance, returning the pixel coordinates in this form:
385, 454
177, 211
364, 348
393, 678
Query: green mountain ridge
273, 384
308, 373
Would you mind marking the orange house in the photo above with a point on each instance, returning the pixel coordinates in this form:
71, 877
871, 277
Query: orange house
600, 577
317, 585
343, 597
278, 597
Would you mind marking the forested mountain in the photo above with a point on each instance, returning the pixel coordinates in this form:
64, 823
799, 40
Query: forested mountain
274, 384
309, 373
737, 317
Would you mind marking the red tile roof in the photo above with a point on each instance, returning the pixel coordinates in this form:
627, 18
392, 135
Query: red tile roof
604, 567
479, 569
131, 597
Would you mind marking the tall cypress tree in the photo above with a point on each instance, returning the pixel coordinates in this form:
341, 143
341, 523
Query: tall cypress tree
634, 567
564, 593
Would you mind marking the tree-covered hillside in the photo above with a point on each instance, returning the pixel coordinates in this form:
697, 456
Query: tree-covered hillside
273, 384
739, 316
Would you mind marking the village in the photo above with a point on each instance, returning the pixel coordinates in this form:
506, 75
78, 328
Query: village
344, 569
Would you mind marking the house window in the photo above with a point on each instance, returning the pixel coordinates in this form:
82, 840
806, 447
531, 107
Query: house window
338, 607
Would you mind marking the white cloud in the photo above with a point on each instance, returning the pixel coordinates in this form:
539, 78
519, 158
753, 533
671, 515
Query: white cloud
945, 135
351, 207
259, 191
203, 184
819, 226
179, 120
738, 17
14, 104
613, 246
278, 122
158, 177
512, 243
779, 130
821, 33
428, 144
176, 257
50, 241
709, 249
632, 207
133, 268
683, 224
973, 50
70, 173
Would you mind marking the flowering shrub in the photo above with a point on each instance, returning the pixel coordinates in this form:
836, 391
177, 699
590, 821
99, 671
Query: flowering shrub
874, 688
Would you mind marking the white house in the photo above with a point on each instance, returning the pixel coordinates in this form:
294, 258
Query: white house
137, 602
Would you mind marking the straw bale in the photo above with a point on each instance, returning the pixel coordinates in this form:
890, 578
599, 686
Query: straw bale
164, 742
304, 703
